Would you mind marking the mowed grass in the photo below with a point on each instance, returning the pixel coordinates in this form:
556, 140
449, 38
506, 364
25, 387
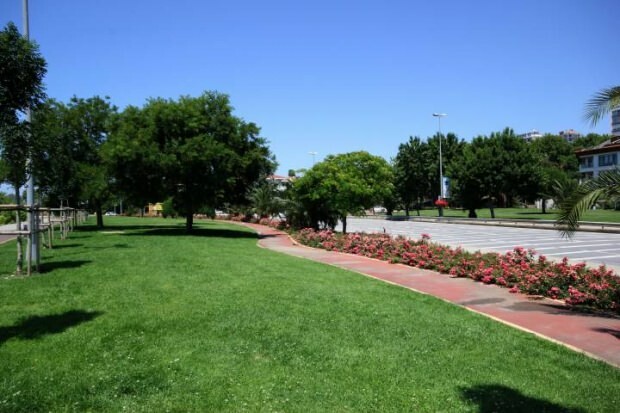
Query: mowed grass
597, 215
141, 317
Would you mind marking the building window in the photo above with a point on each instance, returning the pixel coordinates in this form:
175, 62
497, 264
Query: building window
586, 162
608, 159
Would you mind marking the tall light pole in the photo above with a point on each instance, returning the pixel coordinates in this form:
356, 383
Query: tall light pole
32, 224
439, 116
313, 155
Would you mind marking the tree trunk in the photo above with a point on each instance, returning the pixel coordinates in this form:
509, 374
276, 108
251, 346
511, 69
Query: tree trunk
440, 211
406, 211
344, 224
492, 211
189, 221
472, 213
99, 213
544, 206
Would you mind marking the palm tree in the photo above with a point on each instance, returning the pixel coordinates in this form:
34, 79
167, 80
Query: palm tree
601, 104
607, 184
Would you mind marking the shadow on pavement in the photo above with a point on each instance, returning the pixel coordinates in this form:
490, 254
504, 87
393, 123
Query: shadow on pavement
559, 309
612, 331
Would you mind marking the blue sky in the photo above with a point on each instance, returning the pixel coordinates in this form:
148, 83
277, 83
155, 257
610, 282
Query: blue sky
339, 76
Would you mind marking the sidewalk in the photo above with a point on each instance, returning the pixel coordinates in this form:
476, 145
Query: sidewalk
595, 335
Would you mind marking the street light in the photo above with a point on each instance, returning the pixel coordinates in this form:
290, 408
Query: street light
439, 116
33, 225
313, 155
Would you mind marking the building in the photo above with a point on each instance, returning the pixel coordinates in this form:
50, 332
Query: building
154, 210
604, 157
280, 182
570, 135
615, 122
531, 135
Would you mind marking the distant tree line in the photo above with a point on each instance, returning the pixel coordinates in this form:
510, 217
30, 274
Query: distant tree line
195, 155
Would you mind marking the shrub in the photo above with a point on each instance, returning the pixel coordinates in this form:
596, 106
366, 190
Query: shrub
520, 270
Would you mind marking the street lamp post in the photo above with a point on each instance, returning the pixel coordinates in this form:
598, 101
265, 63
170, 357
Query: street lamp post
313, 155
439, 116
33, 253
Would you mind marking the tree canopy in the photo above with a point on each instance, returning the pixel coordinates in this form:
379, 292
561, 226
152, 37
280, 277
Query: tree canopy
69, 140
192, 149
344, 184
499, 168
22, 69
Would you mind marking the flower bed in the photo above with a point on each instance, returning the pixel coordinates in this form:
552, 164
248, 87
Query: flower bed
520, 270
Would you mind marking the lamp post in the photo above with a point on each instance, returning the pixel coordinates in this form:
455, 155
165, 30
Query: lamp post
33, 253
313, 155
439, 116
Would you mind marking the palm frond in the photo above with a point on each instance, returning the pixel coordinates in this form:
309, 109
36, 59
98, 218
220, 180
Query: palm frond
605, 185
601, 104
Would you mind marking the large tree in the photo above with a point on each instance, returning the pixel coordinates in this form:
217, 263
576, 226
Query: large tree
22, 69
411, 173
500, 168
69, 140
134, 159
557, 165
451, 150
199, 152
344, 184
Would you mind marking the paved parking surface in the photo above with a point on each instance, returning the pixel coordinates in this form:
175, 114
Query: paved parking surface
592, 247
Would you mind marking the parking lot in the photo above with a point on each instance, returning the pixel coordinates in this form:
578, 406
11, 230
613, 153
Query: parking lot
592, 247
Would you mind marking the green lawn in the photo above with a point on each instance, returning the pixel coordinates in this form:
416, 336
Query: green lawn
599, 215
143, 318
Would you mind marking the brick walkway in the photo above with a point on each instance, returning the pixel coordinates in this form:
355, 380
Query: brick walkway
595, 335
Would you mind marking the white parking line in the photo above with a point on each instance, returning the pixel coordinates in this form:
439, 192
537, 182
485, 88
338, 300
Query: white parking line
575, 246
586, 252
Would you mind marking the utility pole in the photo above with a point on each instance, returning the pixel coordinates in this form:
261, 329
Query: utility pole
33, 238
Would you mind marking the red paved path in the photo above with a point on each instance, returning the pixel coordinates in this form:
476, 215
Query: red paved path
597, 336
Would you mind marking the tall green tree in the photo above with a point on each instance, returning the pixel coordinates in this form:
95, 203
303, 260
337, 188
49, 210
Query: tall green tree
451, 150
344, 184
500, 169
134, 160
70, 138
557, 165
411, 174
22, 69
201, 154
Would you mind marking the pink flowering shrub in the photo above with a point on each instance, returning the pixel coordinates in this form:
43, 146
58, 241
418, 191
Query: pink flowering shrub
519, 270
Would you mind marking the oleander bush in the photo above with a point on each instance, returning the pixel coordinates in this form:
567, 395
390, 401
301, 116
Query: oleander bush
519, 270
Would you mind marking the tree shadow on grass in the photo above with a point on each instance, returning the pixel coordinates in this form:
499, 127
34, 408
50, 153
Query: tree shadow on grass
172, 229
35, 327
63, 246
196, 232
105, 247
498, 398
55, 265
